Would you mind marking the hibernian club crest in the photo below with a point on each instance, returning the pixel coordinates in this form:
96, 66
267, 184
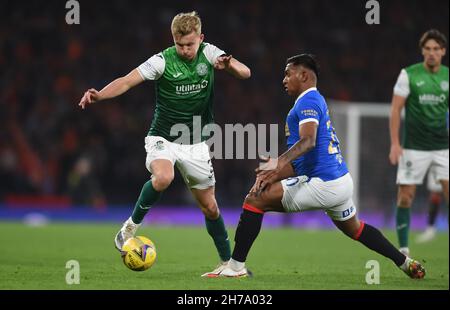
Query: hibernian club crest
202, 69
444, 85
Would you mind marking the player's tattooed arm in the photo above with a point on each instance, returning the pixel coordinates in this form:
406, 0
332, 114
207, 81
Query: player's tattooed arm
308, 133
272, 170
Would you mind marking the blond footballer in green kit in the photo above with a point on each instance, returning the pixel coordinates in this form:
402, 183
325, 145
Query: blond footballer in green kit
184, 80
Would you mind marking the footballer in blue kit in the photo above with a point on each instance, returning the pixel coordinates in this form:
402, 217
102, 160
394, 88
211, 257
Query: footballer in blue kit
325, 160
310, 175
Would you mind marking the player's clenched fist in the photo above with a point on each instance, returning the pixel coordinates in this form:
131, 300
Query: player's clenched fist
90, 96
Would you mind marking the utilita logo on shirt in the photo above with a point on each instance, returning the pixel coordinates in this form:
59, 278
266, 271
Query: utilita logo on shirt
431, 99
191, 88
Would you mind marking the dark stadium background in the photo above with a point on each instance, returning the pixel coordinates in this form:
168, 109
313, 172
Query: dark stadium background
46, 65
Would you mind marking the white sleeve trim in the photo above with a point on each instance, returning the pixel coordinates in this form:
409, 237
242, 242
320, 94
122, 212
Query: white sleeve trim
152, 68
212, 52
401, 88
307, 120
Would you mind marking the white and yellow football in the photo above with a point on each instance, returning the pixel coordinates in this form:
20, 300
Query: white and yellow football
138, 253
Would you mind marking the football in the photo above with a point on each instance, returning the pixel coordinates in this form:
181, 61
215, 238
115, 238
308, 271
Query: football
138, 253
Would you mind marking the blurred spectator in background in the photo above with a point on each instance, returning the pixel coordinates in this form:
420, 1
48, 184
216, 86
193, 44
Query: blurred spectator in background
83, 187
45, 64
10, 180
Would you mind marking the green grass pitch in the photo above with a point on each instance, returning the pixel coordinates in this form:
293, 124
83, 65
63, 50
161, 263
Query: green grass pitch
35, 258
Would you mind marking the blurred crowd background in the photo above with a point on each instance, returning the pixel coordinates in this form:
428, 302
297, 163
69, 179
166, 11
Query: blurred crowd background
96, 157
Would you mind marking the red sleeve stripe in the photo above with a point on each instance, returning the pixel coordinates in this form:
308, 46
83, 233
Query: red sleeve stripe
251, 208
360, 229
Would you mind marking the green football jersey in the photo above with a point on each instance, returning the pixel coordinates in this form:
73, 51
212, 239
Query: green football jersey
425, 126
184, 90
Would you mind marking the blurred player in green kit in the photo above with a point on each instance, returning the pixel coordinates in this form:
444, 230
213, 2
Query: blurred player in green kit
422, 89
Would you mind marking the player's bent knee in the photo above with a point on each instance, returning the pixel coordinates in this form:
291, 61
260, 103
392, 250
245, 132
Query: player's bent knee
351, 228
252, 201
356, 231
405, 201
405, 198
253, 205
210, 210
160, 183
435, 198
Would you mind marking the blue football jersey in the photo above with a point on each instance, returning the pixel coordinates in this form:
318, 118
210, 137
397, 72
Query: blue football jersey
325, 161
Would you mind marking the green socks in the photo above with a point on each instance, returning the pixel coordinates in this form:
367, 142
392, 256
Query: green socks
216, 229
402, 221
145, 201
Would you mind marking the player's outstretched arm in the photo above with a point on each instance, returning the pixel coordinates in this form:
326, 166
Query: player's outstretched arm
232, 66
113, 89
397, 106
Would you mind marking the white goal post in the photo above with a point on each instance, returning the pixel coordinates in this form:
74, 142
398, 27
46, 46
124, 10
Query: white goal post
363, 130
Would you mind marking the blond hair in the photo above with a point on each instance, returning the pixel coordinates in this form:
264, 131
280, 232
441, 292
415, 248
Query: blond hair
185, 23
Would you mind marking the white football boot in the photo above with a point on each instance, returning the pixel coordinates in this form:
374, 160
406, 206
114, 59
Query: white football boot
428, 235
127, 231
413, 268
231, 273
215, 273
404, 251
235, 269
